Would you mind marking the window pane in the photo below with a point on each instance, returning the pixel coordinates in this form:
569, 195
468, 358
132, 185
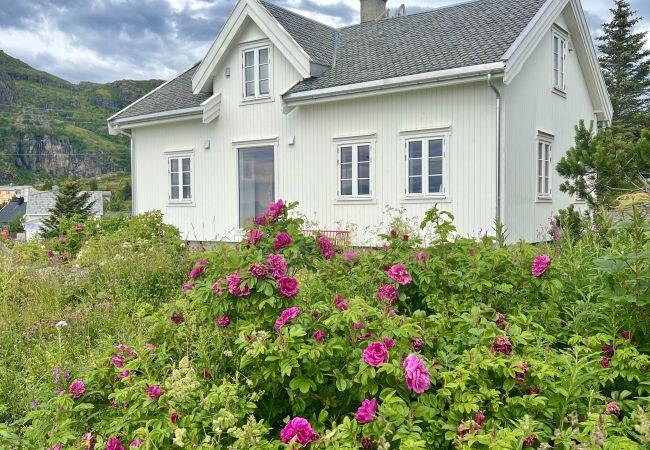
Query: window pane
186, 164
174, 179
263, 56
248, 59
435, 166
547, 188
346, 187
539, 185
435, 147
264, 72
346, 154
187, 192
415, 167
174, 165
540, 169
264, 87
415, 149
415, 185
186, 178
249, 73
256, 182
175, 192
363, 153
250, 89
435, 184
346, 171
363, 170
364, 187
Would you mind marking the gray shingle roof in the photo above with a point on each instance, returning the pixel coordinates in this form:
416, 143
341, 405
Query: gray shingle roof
315, 38
467, 34
176, 94
40, 203
461, 35
11, 210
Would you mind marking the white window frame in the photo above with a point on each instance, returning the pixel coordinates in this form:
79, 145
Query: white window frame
180, 156
355, 144
445, 138
559, 59
256, 72
544, 171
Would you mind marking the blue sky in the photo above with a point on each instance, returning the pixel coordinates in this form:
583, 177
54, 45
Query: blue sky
106, 40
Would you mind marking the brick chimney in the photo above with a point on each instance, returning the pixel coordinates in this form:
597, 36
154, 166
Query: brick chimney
372, 9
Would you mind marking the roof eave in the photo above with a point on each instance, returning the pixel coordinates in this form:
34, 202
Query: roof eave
147, 119
387, 85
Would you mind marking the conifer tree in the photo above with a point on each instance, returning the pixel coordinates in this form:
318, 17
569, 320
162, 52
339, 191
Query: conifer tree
70, 202
626, 67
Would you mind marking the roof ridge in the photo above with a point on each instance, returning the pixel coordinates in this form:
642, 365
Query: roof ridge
264, 2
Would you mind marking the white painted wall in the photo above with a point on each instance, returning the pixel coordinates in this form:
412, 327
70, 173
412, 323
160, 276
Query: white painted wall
530, 105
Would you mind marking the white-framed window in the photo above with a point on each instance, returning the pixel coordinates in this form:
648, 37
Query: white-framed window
425, 166
355, 170
559, 61
180, 176
256, 72
544, 168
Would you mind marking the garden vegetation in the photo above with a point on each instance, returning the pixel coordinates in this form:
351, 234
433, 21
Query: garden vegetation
117, 335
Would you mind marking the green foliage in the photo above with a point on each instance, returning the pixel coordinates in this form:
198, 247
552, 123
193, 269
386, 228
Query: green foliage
601, 167
625, 62
71, 203
17, 224
577, 375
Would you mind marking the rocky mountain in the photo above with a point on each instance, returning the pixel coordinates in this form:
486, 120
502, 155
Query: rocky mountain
51, 128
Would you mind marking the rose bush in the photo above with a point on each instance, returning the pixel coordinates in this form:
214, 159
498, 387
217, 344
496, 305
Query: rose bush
286, 341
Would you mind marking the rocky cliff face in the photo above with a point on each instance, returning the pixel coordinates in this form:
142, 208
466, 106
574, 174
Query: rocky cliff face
55, 157
8, 92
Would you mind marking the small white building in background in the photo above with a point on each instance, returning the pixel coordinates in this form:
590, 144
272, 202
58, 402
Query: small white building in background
468, 106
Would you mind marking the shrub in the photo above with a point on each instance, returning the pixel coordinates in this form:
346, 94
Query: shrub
285, 341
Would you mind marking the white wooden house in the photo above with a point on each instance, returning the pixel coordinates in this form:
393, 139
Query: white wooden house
468, 106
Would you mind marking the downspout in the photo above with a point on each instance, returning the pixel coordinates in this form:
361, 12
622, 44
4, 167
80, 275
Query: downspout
497, 215
116, 129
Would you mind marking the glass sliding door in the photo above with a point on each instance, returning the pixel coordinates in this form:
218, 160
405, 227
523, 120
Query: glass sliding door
256, 182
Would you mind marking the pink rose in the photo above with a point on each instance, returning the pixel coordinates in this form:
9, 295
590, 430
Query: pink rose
417, 375
288, 287
300, 429
375, 354
216, 287
503, 345
366, 412
277, 265
540, 265
253, 237
387, 292
287, 316
281, 241
114, 444
235, 285
399, 274
326, 247
117, 361
257, 271
223, 321
319, 335
154, 392
77, 389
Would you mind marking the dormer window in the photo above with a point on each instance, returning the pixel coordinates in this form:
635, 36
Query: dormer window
559, 61
256, 65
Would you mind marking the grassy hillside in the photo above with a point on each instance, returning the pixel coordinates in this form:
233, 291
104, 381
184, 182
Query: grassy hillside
50, 128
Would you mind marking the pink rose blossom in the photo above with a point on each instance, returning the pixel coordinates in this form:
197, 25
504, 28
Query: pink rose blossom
87, 441
300, 429
612, 409
503, 345
500, 320
319, 335
277, 265
358, 326
326, 247
472, 252
287, 316
124, 374
540, 265
235, 285
417, 375
625, 335
177, 319
387, 292
479, 417
77, 389
198, 268
388, 342
173, 417
154, 392
417, 344
282, 240
467, 427
149, 346
272, 213
189, 286
79, 227
530, 440
135, 443
288, 287
114, 444
253, 236
340, 303
375, 354
399, 274
607, 349
350, 255
520, 374
367, 411
366, 443
258, 271
117, 360
604, 363
421, 256
223, 321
